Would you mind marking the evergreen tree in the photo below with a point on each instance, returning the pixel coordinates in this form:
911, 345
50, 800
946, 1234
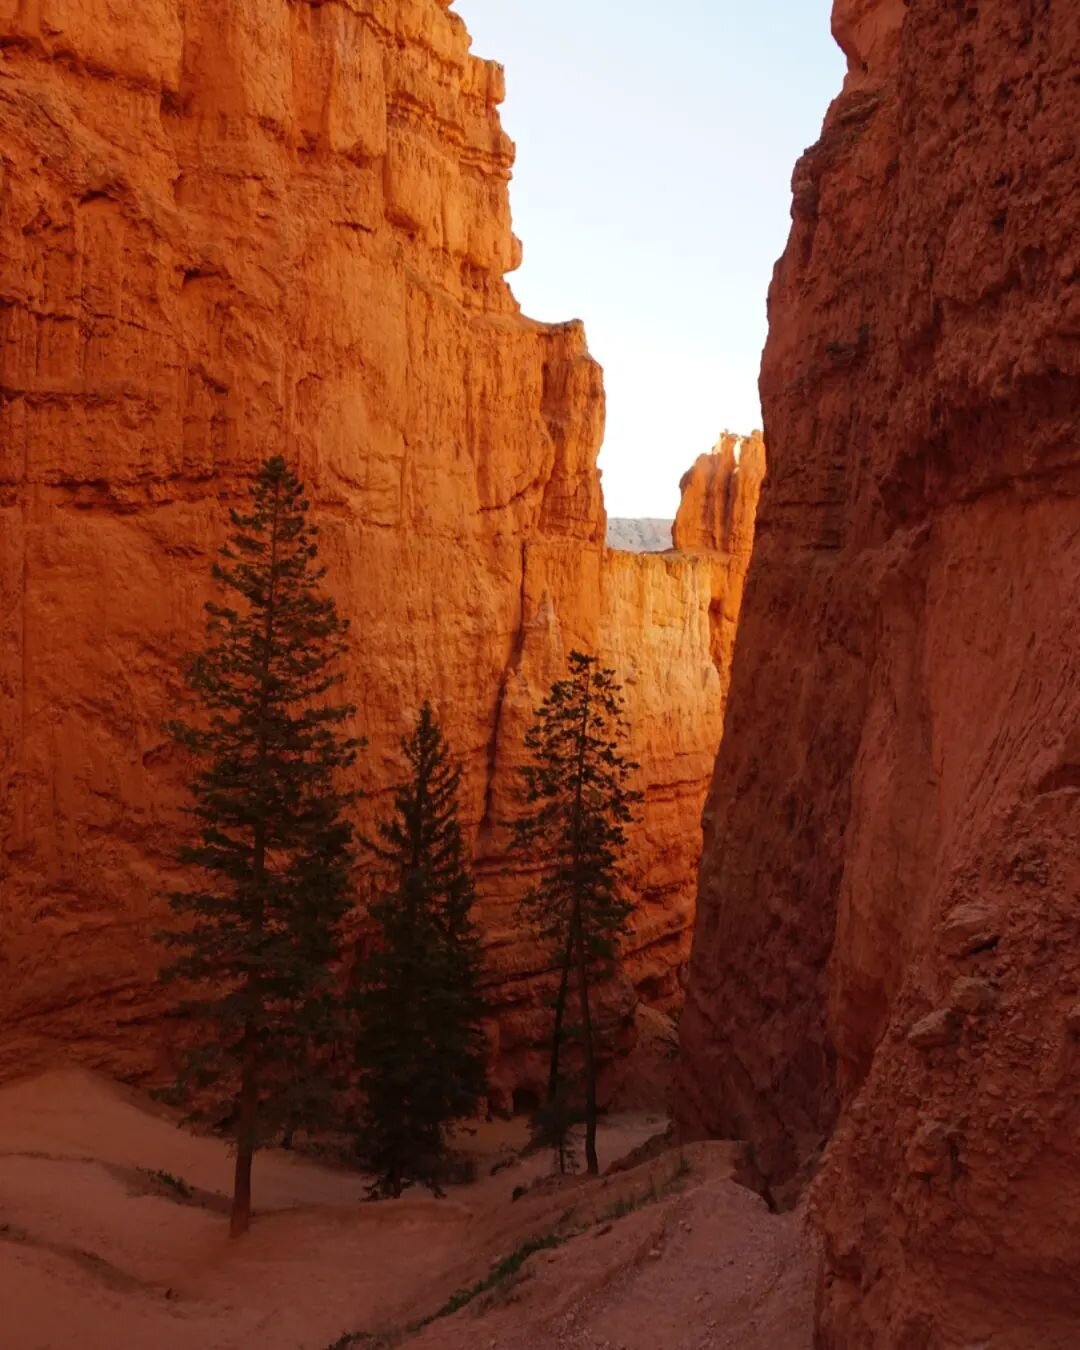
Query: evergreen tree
420, 1047
578, 785
274, 849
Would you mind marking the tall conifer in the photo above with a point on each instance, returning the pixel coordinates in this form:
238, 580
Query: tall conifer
419, 1043
272, 860
578, 786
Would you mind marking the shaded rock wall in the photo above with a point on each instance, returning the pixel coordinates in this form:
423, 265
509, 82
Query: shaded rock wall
888, 898
233, 230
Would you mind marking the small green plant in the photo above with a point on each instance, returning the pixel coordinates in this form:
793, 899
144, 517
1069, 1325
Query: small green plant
499, 1273
627, 1204
504, 1270
349, 1340
173, 1183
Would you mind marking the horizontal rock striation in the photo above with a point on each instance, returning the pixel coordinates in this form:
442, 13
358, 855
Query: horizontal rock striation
888, 897
228, 231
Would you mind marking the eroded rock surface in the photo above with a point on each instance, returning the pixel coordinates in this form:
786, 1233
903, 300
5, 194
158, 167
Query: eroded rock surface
716, 519
896, 804
720, 497
233, 230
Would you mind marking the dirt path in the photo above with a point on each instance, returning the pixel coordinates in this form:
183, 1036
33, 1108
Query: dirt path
98, 1249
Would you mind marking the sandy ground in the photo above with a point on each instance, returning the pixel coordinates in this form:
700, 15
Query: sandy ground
96, 1253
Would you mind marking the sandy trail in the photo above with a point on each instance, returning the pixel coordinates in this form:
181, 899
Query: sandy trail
96, 1253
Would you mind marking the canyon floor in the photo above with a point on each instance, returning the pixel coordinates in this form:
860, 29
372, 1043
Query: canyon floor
113, 1231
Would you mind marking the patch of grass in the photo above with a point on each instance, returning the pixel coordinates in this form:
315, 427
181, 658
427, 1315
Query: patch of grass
499, 1273
349, 1340
627, 1204
173, 1183
682, 1168
504, 1270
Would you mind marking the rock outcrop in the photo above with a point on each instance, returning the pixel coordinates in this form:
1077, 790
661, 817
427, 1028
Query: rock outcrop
888, 899
716, 519
233, 230
720, 498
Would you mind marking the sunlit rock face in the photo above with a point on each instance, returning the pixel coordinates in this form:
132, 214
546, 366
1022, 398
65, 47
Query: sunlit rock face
720, 497
233, 230
717, 517
886, 930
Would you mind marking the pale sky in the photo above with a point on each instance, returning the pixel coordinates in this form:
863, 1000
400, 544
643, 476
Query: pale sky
652, 193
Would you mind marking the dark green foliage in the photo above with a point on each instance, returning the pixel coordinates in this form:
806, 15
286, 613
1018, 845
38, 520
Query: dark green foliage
260, 929
173, 1183
419, 1045
578, 786
554, 1121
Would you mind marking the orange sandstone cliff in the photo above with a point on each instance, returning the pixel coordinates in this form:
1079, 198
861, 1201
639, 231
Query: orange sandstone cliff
233, 230
886, 935
720, 497
717, 516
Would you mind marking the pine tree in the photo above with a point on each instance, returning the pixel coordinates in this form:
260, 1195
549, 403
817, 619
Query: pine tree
274, 848
578, 784
420, 1048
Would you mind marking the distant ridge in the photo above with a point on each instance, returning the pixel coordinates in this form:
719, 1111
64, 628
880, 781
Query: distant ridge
645, 535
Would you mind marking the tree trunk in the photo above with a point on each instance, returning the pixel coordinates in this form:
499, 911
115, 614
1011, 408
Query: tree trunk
240, 1220
556, 1051
591, 1163
248, 1121
560, 1014
578, 932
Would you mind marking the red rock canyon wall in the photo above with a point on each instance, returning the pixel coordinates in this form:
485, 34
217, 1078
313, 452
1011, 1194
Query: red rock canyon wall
889, 891
233, 230
716, 517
